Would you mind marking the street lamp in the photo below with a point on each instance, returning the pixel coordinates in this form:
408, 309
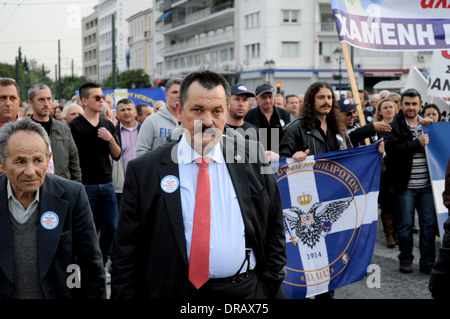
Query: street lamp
338, 56
269, 64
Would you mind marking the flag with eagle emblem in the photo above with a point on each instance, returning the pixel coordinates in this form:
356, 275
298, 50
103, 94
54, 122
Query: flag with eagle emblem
330, 215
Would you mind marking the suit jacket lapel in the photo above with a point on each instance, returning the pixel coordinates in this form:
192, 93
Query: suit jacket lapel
239, 176
6, 258
49, 239
173, 200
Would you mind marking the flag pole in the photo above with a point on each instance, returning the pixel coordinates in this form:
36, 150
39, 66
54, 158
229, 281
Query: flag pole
351, 77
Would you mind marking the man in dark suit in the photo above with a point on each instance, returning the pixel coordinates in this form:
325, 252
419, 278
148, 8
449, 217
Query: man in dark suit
47, 234
156, 236
268, 118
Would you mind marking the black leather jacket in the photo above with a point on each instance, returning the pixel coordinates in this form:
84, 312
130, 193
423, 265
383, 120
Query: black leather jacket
298, 138
400, 147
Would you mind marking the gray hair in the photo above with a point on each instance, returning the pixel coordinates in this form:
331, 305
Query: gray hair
25, 110
36, 87
26, 125
173, 81
66, 108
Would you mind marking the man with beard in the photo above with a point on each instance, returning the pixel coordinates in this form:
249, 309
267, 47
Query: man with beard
320, 130
65, 151
405, 148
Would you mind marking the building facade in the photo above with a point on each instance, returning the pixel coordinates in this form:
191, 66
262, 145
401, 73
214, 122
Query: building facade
293, 43
90, 46
140, 41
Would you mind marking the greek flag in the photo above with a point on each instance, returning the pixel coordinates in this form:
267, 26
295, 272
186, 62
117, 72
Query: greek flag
330, 212
438, 154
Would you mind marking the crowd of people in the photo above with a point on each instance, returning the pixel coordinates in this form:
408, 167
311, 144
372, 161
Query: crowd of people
145, 197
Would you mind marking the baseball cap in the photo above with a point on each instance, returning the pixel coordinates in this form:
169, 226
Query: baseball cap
264, 88
241, 89
345, 105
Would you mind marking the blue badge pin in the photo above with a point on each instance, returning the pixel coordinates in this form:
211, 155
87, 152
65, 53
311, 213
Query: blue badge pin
49, 220
170, 184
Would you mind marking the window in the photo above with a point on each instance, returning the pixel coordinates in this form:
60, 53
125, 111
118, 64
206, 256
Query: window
252, 50
326, 18
252, 20
224, 55
289, 48
290, 16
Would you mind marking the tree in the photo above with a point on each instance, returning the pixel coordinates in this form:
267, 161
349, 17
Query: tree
128, 80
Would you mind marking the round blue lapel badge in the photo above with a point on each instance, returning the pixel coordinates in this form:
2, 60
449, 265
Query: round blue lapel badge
49, 220
170, 184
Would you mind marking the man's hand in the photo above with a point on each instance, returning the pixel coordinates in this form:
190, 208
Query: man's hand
424, 139
104, 134
300, 156
426, 121
382, 127
381, 146
272, 156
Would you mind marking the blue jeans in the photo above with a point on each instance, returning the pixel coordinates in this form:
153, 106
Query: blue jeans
102, 198
407, 203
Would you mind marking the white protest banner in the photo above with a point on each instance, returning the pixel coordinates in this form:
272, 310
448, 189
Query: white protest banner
393, 25
439, 77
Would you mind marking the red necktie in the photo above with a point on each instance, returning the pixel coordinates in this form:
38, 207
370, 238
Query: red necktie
199, 257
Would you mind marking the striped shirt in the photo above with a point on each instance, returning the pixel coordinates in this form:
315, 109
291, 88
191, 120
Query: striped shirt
420, 176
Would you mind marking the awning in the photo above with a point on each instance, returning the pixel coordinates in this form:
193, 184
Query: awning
386, 85
163, 16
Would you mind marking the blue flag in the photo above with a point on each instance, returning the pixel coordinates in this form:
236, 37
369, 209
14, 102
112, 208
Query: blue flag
438, 153
330, 212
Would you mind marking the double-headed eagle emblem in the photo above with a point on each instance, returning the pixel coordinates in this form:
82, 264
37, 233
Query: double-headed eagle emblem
309, 226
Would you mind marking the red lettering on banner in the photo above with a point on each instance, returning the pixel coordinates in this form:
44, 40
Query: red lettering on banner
446, 54
428, 4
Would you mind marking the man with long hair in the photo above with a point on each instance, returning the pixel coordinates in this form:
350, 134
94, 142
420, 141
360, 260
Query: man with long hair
319, 130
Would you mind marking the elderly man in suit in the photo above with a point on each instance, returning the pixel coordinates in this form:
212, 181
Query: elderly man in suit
47, 234
240, 252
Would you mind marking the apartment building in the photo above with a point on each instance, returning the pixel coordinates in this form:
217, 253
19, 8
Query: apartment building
291, 42
90, 46
140, 41
249, 41
121, 10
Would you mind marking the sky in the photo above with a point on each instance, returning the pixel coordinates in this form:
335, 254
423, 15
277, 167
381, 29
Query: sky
37, 25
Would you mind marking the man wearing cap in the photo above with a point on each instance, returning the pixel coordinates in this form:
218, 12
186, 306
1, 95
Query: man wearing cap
267, 116
357, 133
239, 105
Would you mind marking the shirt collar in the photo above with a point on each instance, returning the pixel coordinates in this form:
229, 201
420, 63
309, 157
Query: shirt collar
10, 194
128, 128
186, 154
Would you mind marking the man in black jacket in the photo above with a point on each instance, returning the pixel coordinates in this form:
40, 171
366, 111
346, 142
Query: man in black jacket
405, 149
269, 117
320, 130
355, 131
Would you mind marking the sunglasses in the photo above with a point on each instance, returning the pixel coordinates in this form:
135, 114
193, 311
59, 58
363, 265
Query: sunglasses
351, 113
98, 98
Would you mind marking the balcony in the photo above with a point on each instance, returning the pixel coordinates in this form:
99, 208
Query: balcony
197, 42
221, 15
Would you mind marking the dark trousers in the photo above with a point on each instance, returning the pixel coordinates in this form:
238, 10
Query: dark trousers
236, 287
103, 201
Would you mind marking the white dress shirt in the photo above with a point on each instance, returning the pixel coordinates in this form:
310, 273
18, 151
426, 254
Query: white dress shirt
227, 239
